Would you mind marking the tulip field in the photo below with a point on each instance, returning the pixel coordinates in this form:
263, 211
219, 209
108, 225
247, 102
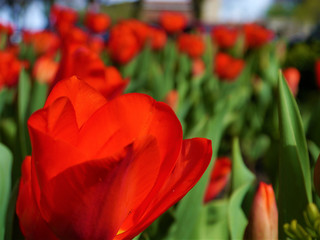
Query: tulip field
163, 130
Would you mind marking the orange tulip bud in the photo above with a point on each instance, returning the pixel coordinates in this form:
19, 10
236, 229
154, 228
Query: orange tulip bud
292, 76
263, 223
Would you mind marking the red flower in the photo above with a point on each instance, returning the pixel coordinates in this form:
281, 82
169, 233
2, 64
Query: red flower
198, 67
42, 42
75, 35
292, 75
172, 22
256, 35
87, 66
227, 67
317, 70
96, 44
45, 69
6, 29
224, 37
10, 68
172, 99
191, 44
123, 44
104, 169
219, 178
97, 22
263, 223
158, 38
63, 18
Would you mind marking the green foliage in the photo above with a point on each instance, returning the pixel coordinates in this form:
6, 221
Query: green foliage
294, 159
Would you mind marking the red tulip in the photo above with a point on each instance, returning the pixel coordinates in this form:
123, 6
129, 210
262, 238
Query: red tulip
104, 169
45, 69
10, 68
75, 35
86, 65
256, 35
219, 178
198, 67
191, 44
224, 37
172, 22
263, 223
292, 75
317, 70
123, 44
43, 42
97, 22
227, 67
63, 18
158, 38
6, 29
172, 99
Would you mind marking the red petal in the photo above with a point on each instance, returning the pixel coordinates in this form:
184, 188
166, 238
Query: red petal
91, 200
194, 159
84, 98
31, 223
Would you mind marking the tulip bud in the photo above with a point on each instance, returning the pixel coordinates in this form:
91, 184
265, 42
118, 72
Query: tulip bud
292, 76
264, 214
172, 99
198, 67
316, 176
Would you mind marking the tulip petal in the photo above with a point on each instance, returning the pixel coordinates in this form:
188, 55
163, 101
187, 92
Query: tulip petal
194, 159
84, 98
31, 223
101, 193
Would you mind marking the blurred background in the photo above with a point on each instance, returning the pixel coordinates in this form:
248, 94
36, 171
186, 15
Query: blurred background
294, 19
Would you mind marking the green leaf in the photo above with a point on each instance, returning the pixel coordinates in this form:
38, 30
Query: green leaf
5, 184
241, 179
38, 96
294, 167
217, 221
24, 90
241, 175
188, 213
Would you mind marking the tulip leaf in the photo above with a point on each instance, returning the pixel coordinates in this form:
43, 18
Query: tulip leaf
38, 96
5, 184
24, 90
188, 213
240, 173
294, 167
217, 222
242, 179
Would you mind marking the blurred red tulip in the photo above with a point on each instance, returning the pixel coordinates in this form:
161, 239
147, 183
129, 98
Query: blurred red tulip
173, 22
96, 44
158, 38
80, 61
191, 44
43, 42
104, 169
227, 67
6, 29
172, 99
139, 29
219, 178
63, 18
292, 75
45, 69
263, 222
123, 44
224, 37
75, 35
256, 35
10, 67
317, 70
97, 22
198, 67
